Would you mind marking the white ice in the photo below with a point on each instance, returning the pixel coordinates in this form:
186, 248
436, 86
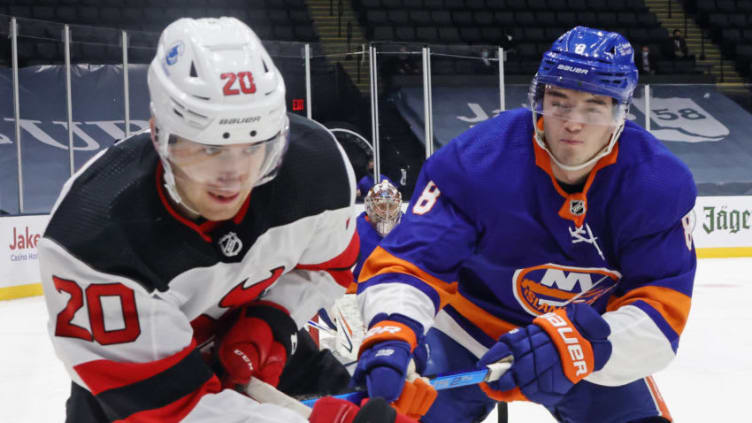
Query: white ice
708, 381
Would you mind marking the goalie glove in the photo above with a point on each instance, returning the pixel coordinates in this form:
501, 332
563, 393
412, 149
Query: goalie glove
550, 356
257, 344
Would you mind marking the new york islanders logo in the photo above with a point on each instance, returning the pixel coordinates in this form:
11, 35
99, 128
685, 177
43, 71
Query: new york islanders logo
544, 288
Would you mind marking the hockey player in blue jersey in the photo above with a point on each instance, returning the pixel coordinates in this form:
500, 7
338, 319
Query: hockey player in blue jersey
382, 213
558, 237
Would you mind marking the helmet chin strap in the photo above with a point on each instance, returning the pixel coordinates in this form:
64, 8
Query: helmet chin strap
539, 138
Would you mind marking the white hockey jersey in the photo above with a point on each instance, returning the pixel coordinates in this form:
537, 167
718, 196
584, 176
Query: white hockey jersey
125, 276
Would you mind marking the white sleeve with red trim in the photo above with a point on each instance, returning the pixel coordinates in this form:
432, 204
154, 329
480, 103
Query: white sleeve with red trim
324, 270
132, 350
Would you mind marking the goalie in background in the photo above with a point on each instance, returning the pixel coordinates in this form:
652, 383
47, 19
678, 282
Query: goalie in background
383, 211
559, 236
157, 240
366, 182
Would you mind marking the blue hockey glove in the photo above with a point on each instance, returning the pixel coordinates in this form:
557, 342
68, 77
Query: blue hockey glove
385, 353
552, 354
383, 363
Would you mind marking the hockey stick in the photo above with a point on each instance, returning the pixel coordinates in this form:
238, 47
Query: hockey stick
576, 298
265, 393
491, 373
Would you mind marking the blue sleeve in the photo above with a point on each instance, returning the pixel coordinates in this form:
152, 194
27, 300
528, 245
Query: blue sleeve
656, 253
369, 239
434, 235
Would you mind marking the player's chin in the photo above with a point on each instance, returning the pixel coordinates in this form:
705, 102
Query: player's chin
223, 207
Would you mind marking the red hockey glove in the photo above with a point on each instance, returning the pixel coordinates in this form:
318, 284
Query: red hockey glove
257, 345
376, 410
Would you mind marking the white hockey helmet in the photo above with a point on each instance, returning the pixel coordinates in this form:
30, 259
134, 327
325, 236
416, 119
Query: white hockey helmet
212, 83
383, 205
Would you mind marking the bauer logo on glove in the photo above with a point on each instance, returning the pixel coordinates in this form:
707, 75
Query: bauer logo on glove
572, 342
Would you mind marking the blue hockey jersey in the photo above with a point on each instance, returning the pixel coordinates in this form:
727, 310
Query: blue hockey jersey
369, 239
490, 241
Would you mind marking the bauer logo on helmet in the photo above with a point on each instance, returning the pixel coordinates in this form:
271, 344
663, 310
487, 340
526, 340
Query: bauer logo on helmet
573, 69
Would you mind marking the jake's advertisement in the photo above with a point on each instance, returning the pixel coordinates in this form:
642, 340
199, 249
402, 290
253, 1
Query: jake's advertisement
19, 235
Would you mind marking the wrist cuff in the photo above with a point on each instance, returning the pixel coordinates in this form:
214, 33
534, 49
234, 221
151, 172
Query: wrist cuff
504, 396
388, 330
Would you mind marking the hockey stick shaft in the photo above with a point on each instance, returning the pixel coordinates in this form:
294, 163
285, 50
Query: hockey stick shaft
265, 393
576, 298
491, 373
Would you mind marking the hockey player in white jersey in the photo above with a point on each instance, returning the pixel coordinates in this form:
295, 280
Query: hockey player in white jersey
228, 214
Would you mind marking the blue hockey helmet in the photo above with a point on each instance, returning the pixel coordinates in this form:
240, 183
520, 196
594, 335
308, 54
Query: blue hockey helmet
592, 60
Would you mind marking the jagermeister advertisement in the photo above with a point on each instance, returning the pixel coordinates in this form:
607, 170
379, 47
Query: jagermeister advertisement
723, 222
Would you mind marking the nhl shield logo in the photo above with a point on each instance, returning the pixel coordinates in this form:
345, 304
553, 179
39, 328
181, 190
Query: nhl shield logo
577, 207
230, 244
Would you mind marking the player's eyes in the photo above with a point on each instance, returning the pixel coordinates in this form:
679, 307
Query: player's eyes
561, 106
211, 151
252, 149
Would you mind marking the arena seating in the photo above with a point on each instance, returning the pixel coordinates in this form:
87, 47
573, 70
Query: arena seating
729, 24
525, 27
283, 20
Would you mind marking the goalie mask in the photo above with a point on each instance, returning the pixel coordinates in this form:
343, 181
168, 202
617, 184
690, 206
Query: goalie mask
592, 61
218, 104
383, 206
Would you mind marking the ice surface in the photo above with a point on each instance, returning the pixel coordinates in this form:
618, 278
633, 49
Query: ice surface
708, 381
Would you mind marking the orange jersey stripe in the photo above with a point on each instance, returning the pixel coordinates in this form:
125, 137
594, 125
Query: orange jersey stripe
485, 321
382, 262
658, 398
671, 304
388, 330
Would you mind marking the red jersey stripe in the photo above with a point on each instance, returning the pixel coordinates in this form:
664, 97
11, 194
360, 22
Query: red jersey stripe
177, 410
103, 375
